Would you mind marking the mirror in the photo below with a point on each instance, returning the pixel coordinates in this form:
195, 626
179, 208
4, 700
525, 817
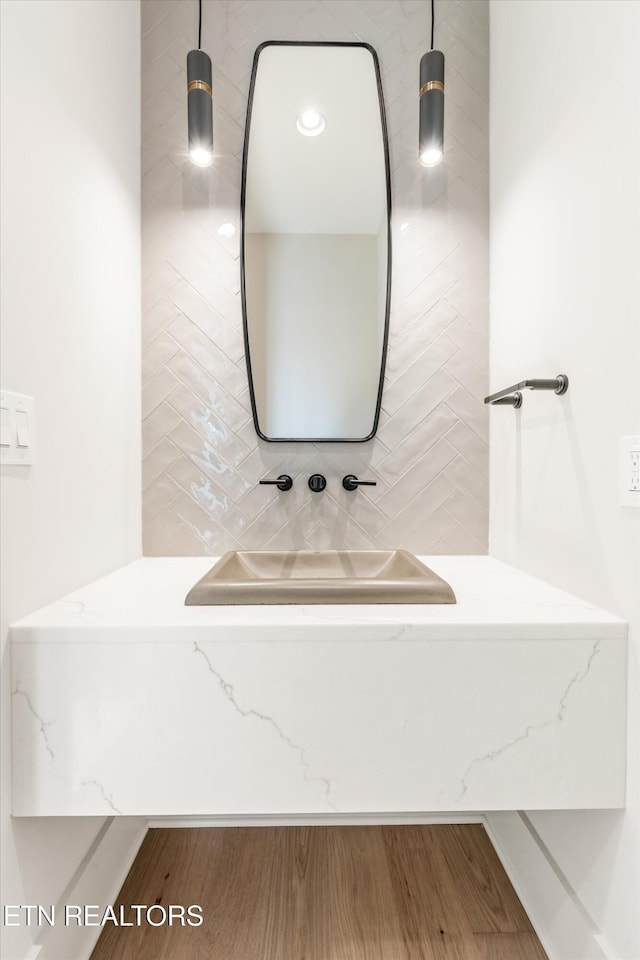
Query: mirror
316, 250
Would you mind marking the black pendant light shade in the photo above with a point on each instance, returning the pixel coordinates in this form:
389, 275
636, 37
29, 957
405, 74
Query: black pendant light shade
431, 108
199, 107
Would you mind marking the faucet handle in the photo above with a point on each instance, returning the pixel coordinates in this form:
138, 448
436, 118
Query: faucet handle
284, 482
350, 482
317, 483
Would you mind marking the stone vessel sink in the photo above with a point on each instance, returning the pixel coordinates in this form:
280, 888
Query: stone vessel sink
319, 576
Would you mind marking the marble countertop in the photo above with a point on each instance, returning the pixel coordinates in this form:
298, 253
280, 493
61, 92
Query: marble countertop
144, 600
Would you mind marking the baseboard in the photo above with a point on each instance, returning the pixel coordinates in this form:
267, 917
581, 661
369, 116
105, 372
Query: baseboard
561, 922
97, 881
315, 820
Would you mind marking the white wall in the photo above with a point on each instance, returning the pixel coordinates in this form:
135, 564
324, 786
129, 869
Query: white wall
565, 298
70, 338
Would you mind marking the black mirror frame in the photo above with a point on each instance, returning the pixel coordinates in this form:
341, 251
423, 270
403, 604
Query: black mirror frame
385, 142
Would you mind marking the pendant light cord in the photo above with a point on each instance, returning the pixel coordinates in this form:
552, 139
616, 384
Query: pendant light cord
433, 19
200, 26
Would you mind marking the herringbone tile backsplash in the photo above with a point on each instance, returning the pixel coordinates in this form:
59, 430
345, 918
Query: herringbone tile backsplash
202, 458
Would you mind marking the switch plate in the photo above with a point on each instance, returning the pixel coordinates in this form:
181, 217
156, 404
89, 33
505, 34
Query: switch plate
630, 471
17, 447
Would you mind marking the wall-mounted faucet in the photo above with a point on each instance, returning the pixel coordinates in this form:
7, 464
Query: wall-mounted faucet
350, 482
284, 482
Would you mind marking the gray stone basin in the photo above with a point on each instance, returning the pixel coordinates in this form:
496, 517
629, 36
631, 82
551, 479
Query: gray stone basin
319, 576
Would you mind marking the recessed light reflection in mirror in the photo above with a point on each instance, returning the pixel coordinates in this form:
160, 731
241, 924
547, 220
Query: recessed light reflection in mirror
310, 123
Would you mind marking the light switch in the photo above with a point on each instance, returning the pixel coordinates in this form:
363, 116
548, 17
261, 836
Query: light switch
22, 428
17, 434
5, 427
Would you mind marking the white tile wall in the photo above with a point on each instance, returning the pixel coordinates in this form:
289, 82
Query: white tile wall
202, 459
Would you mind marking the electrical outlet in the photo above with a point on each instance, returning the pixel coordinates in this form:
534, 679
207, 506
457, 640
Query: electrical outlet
630, 471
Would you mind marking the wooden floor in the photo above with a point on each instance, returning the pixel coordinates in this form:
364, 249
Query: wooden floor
325, 893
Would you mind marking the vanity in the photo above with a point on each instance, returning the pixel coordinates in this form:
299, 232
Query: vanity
504, 693
127, 702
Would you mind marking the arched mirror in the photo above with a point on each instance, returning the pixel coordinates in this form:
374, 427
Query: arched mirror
316, 251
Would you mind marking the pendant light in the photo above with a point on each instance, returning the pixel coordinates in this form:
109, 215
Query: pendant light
431, 104
199, 102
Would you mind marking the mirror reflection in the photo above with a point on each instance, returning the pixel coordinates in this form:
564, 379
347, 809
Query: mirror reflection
316, 250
